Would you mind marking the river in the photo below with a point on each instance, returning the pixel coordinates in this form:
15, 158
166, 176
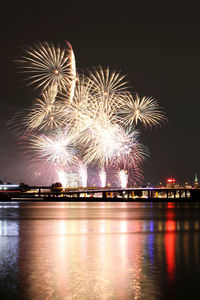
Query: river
80, 250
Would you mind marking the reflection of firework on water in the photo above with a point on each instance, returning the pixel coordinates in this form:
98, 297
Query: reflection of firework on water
146, 110
47, 65
98, 111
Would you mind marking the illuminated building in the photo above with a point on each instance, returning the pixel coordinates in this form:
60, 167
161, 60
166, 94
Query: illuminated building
170, 183
72, 180
187, 185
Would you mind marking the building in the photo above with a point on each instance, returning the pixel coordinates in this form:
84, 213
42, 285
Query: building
72, 180
170, 183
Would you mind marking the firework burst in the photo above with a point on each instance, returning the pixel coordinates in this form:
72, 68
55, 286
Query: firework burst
80, 121
57, 148
47, 65
108, 87
130, 156
106, 83
146, 110
46, 114
101, 140
77, 111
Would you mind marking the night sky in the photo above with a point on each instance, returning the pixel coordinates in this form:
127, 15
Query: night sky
158, 47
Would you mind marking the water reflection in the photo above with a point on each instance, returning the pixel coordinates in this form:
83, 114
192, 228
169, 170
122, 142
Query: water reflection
9, 249
101, 250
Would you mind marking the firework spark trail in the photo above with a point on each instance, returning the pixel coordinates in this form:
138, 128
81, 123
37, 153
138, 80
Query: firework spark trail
62, 177
123, 177
72, 72
83, 174
102, 176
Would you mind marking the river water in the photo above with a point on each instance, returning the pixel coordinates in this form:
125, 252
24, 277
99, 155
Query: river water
99, 250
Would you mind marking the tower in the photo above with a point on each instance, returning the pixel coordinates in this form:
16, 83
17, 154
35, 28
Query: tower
196, 182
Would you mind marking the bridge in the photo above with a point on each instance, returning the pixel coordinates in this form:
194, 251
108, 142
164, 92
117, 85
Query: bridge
49, 193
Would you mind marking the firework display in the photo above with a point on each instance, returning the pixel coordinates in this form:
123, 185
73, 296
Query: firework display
83, 121
47, 65
145, 110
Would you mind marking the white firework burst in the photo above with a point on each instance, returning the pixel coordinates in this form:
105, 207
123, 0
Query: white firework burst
47, 65
57, 148
77, 111
146, 110
46, 113
106, 84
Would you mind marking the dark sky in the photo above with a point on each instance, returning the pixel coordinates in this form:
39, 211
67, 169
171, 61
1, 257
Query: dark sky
157, 46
